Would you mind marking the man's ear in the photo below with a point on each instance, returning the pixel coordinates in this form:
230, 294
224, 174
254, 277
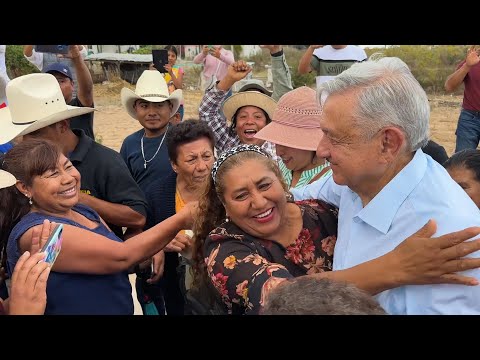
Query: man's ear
63, 125
393, 140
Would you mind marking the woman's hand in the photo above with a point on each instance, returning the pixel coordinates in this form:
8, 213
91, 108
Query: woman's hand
168, 67
28, 294
422, 259
158, 263
182, 244
237, 71
40, 237
216, 52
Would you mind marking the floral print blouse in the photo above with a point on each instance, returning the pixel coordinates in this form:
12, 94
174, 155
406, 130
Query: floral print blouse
244, 268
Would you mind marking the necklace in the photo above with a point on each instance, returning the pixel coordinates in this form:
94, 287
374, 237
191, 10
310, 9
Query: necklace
145, 161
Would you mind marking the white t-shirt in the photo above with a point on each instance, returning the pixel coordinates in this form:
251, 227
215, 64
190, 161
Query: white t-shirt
329, 62
4, 79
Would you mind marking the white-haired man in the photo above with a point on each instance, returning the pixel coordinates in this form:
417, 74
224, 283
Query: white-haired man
375, 121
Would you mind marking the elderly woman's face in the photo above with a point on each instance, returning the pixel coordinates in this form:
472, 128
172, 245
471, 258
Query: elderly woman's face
255, 199
57, 190
194, 161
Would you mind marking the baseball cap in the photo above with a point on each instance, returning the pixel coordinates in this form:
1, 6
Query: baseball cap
60, 68
254, 85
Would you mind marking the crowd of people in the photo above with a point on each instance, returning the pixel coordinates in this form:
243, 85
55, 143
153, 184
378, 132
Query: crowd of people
290, 201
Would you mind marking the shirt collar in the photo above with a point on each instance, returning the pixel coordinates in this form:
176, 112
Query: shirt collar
83, 146
380, 212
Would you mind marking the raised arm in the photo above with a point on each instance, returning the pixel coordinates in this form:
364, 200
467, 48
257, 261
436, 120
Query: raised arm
177, 80
200, 58
304, 64
456, 79
84, 251
224, 56
33, 57
281, 77
210, 106
84, 78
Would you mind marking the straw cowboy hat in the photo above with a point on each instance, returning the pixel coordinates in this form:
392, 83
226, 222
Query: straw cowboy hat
6, 179
248, 98
152, 87
295, 121
34, 102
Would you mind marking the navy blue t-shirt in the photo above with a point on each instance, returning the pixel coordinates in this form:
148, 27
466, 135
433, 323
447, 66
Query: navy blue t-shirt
158, 168
75, 293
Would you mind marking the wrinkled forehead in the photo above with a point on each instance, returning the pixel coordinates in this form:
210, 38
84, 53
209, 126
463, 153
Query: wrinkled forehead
338, 112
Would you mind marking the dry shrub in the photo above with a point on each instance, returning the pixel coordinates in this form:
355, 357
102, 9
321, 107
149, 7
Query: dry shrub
108, 92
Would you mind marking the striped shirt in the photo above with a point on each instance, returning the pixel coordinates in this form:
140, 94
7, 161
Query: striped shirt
210, 111
306, 175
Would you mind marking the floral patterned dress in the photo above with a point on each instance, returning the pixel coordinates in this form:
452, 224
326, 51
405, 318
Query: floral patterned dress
244, 268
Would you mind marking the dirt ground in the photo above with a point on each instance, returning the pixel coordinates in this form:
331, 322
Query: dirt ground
112, 124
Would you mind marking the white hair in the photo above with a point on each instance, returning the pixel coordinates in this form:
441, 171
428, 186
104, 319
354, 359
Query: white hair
388, 95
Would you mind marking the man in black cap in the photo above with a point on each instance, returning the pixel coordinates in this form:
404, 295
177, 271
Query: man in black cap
84, 97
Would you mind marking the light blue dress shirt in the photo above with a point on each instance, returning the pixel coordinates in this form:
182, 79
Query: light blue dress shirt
423, 190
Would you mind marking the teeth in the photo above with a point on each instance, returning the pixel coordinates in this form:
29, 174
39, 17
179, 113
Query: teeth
265, 214
69, 191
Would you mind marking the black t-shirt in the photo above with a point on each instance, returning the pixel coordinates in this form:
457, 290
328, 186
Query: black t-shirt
83, 122
106, 177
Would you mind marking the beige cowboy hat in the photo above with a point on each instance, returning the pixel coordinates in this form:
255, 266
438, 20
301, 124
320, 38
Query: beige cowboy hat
6, 179
34, 102
248, 98
152, 87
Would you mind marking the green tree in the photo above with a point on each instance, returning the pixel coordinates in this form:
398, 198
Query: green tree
430, 64
16, 63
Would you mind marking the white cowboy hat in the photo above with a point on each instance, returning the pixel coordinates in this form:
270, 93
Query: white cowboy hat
6, 179
34, 102
152, 87
248, 98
